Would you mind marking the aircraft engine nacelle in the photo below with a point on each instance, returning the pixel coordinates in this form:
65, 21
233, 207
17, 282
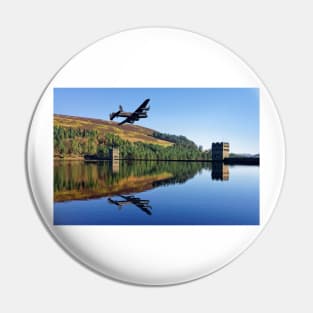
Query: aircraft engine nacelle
142, 115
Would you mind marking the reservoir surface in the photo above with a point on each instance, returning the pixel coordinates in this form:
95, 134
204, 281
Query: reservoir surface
155, 193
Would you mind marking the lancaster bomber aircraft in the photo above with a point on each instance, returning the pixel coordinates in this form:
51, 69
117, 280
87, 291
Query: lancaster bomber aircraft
131, 117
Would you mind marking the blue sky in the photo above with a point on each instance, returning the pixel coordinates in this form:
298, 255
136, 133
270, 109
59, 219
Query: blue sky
204, 115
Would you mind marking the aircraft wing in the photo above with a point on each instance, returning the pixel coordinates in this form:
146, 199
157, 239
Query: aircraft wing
143, 107
127, 120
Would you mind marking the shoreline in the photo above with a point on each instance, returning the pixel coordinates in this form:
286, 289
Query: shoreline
228, 161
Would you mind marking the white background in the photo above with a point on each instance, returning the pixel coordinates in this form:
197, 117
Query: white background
37, 37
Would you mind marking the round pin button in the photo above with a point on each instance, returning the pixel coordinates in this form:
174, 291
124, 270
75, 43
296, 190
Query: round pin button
155, 156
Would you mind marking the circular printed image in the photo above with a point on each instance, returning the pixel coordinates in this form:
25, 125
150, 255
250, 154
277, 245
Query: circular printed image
155, 156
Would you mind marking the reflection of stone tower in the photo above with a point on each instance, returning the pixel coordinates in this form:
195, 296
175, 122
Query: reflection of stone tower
114, 154
114, 157
220, 151
115, 166
220, 171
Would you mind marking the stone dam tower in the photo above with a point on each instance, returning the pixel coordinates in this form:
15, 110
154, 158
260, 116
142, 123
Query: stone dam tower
114, 153
220, 151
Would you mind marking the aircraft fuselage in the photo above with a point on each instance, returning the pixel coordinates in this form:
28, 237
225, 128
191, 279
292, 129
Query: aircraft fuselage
128, 114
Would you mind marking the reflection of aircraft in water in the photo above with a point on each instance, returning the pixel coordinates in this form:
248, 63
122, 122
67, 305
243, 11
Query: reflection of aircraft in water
139, 203
131, 117
220, 171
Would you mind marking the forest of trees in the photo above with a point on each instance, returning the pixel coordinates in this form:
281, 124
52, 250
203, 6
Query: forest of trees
179, 140
82, 142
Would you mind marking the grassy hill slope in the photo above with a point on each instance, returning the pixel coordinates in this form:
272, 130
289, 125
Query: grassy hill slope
132, 133
81, 138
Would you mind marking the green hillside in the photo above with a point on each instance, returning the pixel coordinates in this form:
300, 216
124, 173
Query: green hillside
132, 133
78, 137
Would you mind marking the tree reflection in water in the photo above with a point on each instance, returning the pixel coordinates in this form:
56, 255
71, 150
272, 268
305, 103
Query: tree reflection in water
77, 180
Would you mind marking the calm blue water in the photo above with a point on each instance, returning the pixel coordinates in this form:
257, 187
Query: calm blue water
171, 193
